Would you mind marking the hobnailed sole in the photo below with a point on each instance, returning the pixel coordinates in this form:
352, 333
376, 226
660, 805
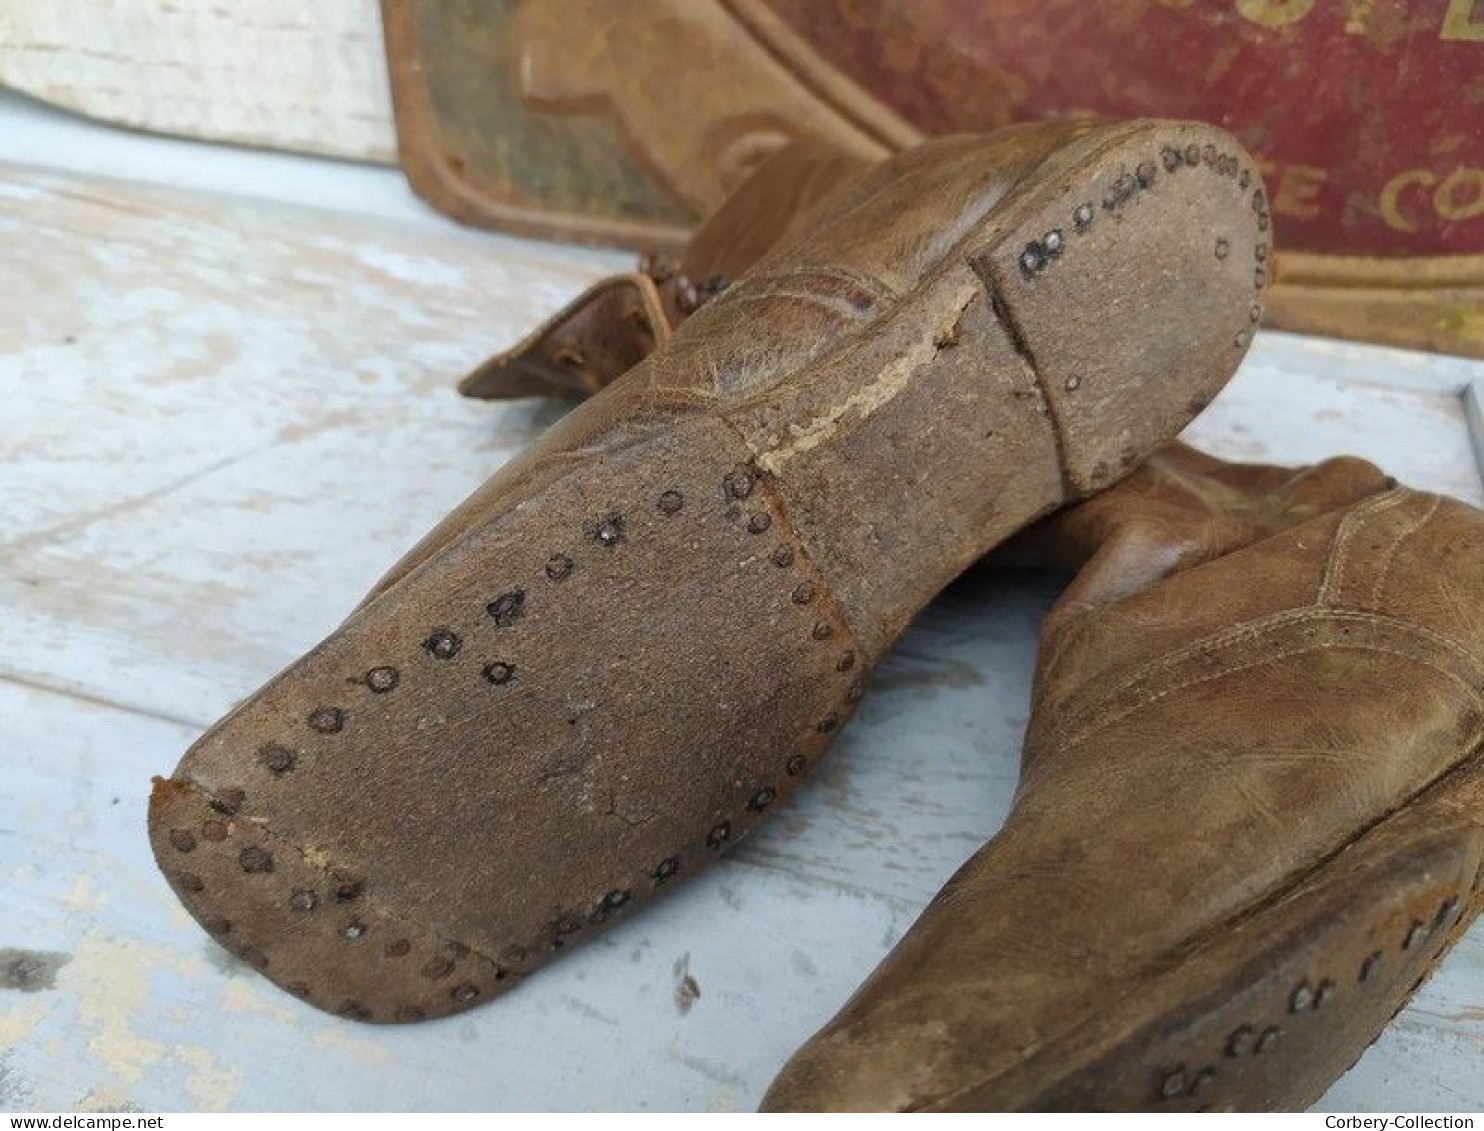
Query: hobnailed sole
611, 681
1307, 981
1140, 269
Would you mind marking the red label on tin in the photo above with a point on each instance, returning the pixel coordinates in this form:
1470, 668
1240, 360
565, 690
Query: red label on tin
1366, 116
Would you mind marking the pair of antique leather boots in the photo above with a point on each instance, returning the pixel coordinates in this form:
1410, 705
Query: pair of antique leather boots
1251, 812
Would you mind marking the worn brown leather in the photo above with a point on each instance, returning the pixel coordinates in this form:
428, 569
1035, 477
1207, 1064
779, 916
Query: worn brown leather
1250, 817
606, 667
615, 324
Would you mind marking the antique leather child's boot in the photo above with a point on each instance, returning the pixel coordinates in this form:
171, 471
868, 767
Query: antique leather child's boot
1250, 818
618, 655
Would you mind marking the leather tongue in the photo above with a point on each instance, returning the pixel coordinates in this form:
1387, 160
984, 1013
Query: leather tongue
601, 334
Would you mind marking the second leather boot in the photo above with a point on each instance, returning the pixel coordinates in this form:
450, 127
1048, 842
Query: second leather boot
1250, 817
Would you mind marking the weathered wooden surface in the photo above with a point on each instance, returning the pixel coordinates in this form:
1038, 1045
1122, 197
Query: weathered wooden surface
279, 73
223, 418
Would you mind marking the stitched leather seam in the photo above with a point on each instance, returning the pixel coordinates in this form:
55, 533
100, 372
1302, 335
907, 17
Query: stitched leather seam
1257, 630
1161, 664
1333, 579
1387, 558
1259, 661
1262, 626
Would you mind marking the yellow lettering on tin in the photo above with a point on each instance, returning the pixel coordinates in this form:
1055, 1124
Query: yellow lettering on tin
1297, 188
1274, 14
1358, 17
1459, 22
1461, 195
1391, 210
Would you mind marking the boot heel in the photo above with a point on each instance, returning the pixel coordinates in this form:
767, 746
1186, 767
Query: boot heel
1136, 271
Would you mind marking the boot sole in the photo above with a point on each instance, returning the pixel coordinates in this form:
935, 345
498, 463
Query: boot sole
610, 683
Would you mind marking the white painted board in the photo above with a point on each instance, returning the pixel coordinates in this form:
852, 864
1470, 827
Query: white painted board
278, 73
